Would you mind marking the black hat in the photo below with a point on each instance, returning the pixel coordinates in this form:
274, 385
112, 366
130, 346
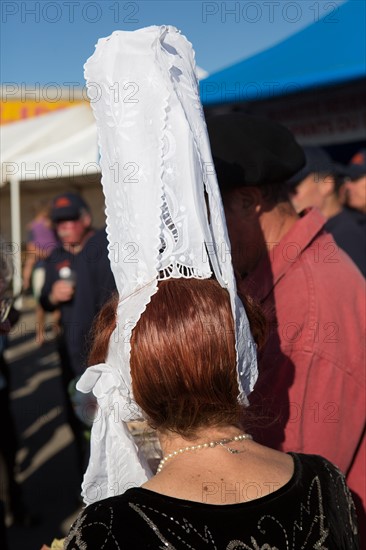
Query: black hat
251, 151
67, 206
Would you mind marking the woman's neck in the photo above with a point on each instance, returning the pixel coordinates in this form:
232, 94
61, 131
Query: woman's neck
191, 474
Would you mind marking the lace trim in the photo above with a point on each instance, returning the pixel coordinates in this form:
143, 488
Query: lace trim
168, 222
176, 270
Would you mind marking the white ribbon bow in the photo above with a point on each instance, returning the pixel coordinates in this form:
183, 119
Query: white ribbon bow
116, 463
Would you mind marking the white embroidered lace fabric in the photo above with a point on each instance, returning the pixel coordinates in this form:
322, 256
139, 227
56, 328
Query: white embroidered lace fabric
157, 171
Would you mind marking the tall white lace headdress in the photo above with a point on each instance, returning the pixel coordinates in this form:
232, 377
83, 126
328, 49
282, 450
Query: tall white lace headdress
158, 179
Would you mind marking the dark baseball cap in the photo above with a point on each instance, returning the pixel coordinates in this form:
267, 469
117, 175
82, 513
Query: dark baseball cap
67, 206
357, 166
318, 161
252, 151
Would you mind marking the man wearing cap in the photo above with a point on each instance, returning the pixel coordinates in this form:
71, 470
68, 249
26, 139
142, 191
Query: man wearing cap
78, 281
356, 187
317, 184
311, 370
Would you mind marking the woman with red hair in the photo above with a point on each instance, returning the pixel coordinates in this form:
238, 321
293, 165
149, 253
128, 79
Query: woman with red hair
215, 487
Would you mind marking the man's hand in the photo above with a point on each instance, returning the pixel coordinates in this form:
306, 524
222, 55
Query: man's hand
62, 291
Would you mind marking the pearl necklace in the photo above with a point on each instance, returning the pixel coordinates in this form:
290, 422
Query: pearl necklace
209, 445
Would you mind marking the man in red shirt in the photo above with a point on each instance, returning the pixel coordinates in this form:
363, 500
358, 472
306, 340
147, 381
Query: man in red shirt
312, 368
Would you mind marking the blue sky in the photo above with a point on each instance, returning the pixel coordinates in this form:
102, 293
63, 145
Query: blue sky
49, 41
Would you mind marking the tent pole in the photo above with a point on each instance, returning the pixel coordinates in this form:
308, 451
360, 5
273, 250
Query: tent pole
16, 233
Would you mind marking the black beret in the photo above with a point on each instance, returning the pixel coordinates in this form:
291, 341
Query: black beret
252, 151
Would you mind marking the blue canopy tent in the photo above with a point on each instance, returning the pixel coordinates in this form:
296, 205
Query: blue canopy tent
314, 82
328, 52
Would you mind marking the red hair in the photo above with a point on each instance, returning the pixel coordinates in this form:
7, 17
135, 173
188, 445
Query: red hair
183, 360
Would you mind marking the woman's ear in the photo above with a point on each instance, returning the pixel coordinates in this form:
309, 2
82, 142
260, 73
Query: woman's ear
250, 201
242, 202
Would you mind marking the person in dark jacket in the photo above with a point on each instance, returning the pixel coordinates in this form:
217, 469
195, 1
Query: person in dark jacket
317, 185
355, 188
78, 281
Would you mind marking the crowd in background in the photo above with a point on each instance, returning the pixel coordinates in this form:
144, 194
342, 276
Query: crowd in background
298, 249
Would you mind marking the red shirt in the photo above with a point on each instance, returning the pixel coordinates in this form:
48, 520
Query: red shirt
312, 369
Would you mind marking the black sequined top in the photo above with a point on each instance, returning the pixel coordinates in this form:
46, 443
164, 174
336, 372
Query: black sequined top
313, 510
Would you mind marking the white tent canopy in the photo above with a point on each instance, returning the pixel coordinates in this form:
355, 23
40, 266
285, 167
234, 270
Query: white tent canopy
55, 145
58, 144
